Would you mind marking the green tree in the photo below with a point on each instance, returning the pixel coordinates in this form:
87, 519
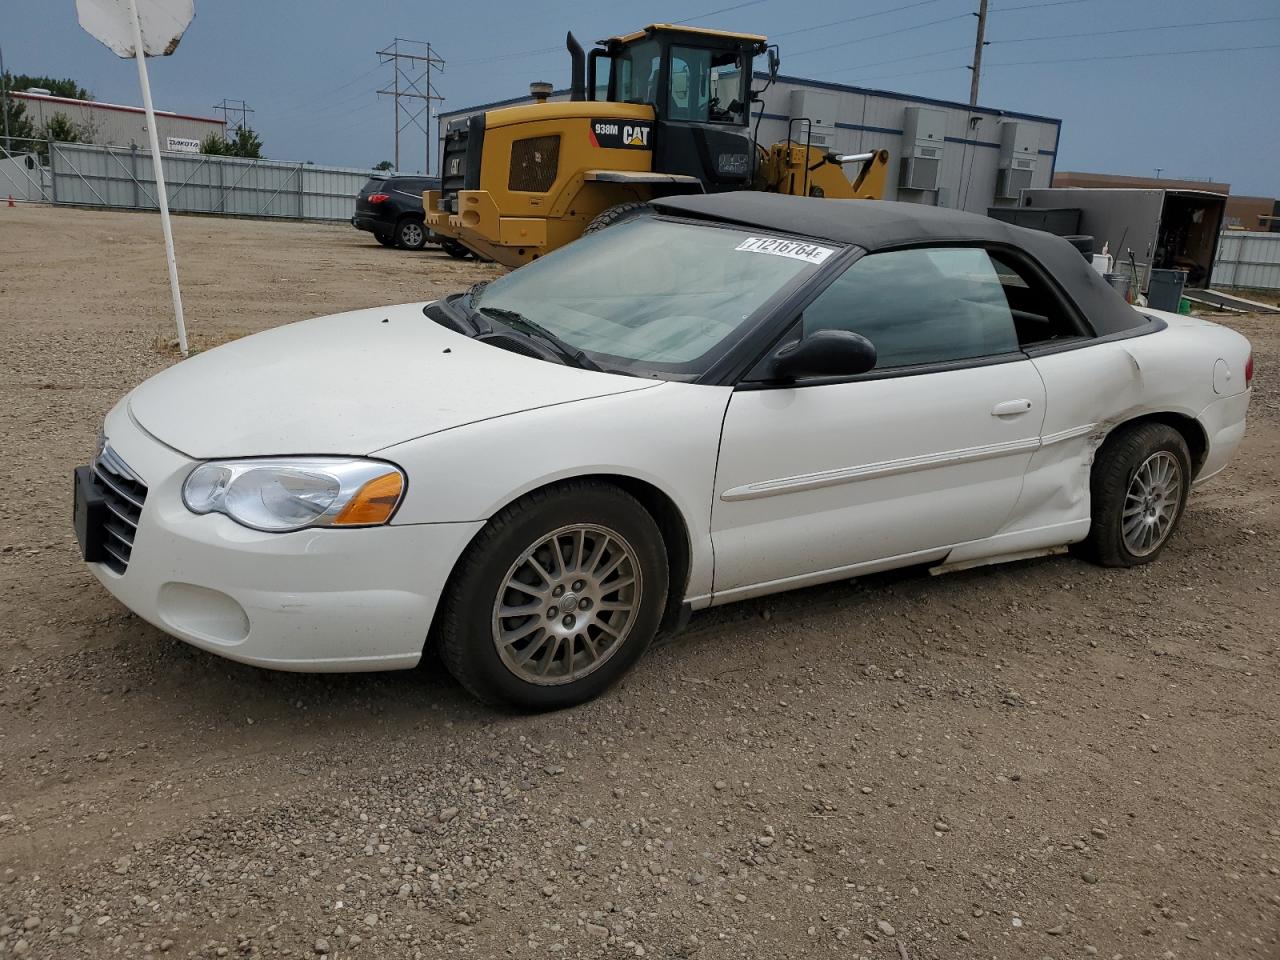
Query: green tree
245, 143
62, 129
59, 88
383, 165
214, 144
21, 129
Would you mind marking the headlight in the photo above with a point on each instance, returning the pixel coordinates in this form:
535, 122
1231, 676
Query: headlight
281, 495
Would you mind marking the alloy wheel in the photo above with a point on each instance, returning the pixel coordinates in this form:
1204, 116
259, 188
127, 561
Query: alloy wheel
1151, 503
567, 604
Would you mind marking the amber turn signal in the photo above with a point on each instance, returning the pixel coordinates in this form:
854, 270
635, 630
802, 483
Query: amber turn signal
373, 503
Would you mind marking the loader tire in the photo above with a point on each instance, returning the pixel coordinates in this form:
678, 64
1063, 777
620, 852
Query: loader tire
617, 214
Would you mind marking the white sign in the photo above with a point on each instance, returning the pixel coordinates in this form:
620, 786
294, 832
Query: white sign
161, 23
141, 29
795, 249
181, 145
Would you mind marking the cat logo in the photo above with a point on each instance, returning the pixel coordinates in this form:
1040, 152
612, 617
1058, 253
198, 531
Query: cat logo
621, 136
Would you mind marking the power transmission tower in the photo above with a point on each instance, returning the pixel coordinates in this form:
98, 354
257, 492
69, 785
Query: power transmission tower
230, 108
977, 52
411, 80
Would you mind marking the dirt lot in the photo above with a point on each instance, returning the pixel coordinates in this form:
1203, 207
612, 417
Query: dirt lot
1037, 760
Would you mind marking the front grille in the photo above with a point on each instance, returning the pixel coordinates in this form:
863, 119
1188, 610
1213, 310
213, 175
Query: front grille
125, 493
533, 164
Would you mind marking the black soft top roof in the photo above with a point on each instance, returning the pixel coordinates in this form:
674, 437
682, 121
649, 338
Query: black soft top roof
877, 225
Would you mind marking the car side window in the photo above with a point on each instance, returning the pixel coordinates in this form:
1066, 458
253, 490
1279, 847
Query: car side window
1038, 316
920, 306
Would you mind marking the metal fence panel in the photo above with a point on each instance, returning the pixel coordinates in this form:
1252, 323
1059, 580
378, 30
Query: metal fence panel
21, 177
94, 175
1248, 259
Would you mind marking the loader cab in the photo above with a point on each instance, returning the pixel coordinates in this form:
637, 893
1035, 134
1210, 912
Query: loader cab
698, 82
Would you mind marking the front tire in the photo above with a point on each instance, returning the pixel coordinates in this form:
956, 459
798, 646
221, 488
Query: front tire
454, 249
1139, 485
411, 234
556, 598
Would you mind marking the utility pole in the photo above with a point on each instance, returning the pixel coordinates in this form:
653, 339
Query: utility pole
4, 101
415, 70
977, 52
229, 108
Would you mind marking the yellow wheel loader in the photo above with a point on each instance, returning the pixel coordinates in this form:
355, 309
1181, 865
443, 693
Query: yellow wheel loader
673, 117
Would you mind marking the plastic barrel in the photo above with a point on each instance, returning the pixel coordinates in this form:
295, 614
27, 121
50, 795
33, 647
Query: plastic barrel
1165, 290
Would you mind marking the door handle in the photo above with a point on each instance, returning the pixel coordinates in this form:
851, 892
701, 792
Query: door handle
1011, 408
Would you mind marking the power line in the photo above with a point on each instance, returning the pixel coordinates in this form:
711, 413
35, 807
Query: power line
914, 56
712, 13
1037, 6
877, 36
539, 51
863, 16
911, 73
1139, 56
1146, 29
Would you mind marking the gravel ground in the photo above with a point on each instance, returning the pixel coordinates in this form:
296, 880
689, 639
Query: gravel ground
1043, 759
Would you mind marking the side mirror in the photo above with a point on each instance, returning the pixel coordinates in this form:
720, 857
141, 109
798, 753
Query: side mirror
826, 353
774, 63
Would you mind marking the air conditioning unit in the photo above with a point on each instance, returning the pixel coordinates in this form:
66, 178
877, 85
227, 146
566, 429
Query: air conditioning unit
819, 108
1019, 153
924, 137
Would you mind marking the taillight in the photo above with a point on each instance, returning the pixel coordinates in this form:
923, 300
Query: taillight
1248, 371
379, 197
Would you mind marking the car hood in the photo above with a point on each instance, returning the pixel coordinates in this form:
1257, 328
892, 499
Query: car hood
350, 383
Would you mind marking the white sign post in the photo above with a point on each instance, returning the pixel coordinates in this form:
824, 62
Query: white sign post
139, 29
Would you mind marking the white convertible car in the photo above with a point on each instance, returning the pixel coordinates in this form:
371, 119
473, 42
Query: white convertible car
735, 395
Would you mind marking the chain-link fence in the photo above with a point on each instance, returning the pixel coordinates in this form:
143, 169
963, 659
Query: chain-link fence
108, 176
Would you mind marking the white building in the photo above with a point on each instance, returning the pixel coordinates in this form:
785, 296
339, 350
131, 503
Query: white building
114, 124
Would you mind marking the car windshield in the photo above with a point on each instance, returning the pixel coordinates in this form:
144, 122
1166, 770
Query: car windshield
653, 296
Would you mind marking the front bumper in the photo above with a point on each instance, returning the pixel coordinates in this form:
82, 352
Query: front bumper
312, 600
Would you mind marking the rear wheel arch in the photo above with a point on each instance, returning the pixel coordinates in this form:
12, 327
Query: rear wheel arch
1190, 428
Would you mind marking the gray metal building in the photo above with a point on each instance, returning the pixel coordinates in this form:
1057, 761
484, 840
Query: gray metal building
114, 124
941, 152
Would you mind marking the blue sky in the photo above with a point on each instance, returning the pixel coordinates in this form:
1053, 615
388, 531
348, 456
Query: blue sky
309, 70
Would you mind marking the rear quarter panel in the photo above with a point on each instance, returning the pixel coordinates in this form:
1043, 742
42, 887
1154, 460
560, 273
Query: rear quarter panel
1095, 389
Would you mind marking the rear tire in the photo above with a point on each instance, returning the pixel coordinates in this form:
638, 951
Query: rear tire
411, 234
520, 628
1139, 485
454, 249
617, 214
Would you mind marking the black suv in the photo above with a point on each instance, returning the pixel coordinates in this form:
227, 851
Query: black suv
391, 209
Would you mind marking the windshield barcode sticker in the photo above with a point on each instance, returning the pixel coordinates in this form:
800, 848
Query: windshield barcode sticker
796, 250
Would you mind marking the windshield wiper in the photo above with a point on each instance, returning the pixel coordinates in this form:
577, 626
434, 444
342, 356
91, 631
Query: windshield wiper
522, 324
